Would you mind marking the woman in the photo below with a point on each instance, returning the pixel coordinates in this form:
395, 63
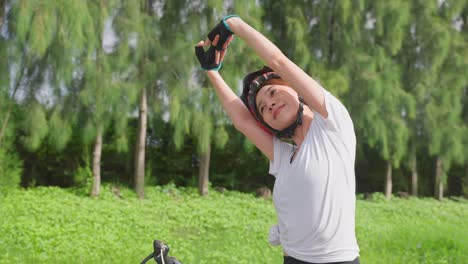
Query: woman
314, 191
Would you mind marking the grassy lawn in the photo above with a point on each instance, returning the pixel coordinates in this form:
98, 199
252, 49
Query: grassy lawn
52, 225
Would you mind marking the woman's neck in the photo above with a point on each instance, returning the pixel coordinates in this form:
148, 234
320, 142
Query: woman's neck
301, 131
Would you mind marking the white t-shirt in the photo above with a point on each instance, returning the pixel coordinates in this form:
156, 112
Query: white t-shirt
314, 196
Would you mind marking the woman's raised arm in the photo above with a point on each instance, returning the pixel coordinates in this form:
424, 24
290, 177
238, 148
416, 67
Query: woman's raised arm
240, 115
300, 81
232, 104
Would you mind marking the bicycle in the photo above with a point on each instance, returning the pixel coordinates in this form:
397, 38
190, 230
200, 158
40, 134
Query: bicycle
160, 253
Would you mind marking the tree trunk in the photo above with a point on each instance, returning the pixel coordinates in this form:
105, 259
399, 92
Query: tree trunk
438, 183
97, 164
414, 174
4, 124
388, 180
140, 147
465, 183
203, 175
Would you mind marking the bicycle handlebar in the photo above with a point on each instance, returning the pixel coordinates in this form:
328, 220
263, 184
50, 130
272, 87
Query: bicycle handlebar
160, 254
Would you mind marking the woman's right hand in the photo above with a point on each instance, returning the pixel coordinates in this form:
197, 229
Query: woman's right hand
212, 58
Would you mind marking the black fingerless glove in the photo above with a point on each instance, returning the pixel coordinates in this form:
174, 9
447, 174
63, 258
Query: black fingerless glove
223, 30
207, 58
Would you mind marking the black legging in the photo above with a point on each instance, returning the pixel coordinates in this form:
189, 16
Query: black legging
291, 260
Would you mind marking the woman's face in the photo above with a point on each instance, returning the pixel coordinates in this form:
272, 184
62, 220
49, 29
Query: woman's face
278, 105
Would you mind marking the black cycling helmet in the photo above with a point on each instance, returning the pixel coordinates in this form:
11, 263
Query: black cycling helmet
252, 83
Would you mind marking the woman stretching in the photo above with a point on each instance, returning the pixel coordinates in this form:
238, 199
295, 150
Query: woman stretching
307, 135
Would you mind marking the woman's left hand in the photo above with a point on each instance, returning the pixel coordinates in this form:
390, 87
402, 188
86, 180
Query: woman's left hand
222, 31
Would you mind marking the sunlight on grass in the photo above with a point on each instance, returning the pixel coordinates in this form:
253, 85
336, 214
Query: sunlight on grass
52, 225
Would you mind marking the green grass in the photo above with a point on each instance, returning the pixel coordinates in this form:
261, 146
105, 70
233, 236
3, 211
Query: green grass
52, 225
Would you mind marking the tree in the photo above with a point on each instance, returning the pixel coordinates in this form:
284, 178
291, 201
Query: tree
433, 76
348, 46
5, 99
47, 40
193, 108
139, 26
25, 59
38, 42
319, 36
134, 29
446, 105
382, 105
381, 119
464, 29
10, 165
106, 95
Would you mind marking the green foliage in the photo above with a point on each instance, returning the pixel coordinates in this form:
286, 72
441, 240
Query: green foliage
89, 133
43, 24
34, 126
445, 100
5, 80
239, 166
465, 186
202, 131
385, 105
60, 131
221, 137
11, 164
56, 226
43, 27
399, 66
412, 231
83, 178
296, 35
336, 81
11, 168
392, 18
23, 19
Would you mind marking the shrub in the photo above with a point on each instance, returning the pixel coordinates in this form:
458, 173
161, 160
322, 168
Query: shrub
11, 169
